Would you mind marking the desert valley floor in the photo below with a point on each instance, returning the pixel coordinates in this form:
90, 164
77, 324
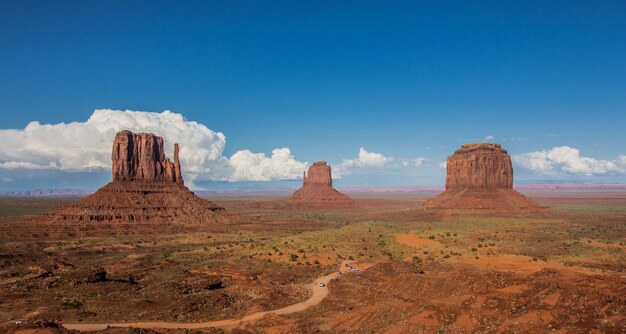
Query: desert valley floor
561, 272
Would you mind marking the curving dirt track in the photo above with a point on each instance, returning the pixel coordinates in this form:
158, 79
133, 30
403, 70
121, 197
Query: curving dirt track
318, 294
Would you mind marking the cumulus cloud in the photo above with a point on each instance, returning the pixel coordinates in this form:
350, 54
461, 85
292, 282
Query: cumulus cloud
248, 166
489, 137
365, 160
86, 146
368, 159
567, 160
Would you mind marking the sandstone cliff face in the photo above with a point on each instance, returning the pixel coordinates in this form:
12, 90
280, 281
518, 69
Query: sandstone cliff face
317, 188
479, 180
140, 157
481, 165
319, 174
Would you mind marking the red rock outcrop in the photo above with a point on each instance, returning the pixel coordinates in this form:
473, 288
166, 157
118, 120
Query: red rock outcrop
319, 175
481, 165
140, 157
479, 180
146, 187
317, 188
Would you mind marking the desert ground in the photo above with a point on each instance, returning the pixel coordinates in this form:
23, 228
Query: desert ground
561, 272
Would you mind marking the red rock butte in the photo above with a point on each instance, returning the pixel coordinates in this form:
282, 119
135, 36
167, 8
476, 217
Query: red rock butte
479, 180
146, 187
317, 188
140, 157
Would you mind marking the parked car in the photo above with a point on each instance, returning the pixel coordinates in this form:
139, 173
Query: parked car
322, 284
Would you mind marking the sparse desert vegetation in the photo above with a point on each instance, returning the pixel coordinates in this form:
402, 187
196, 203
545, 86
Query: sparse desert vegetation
563, 272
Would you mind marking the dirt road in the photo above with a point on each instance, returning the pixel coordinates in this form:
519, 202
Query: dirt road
318, 294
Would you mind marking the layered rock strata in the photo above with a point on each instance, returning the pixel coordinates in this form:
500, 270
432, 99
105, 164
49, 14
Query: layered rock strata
479, 180
482, 165
140, 157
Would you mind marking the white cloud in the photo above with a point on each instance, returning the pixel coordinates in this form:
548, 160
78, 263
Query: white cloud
258, 167
11, 165
489, 137
567, 160
365, 160
443, 164
419, 162
515, 139
86, 146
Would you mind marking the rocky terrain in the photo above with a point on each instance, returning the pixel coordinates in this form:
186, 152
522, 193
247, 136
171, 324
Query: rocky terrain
479, 180
462, 274
451, 298
317, 188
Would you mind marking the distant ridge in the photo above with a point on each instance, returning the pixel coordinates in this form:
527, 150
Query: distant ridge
348, 190
555, 186
46, 193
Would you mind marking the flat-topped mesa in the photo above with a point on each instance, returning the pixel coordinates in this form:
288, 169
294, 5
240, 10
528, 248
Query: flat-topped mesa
480, 165
140, 157
480, 181
319, 174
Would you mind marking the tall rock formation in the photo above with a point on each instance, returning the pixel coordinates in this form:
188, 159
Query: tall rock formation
146, 187
140, 157
481, 165
479, 180
319, 175
317, 188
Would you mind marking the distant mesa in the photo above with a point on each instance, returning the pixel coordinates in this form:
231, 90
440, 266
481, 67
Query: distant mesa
481, 165
317, 188
480, 180
146, 187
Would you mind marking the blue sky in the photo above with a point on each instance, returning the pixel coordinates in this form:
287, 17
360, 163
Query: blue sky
402, 79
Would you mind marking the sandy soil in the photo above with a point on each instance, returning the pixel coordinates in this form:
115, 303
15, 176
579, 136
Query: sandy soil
417, 241
473, 273
402, 298
318, 293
